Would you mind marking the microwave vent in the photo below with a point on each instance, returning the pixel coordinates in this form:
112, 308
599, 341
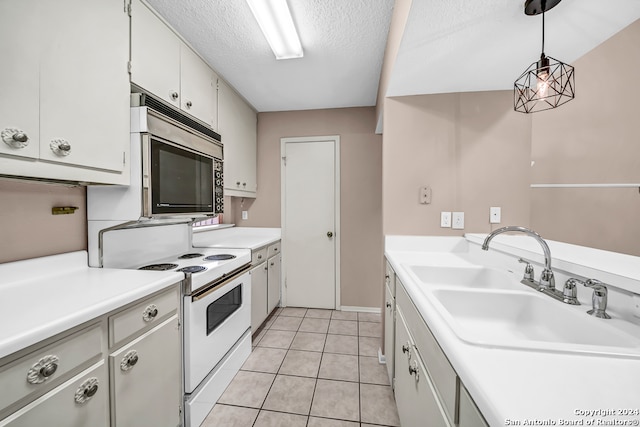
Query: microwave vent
146, 100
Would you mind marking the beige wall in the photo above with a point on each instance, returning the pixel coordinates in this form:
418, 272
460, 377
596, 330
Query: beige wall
472, 149
401, 10
593, 139
360, 201
27, 227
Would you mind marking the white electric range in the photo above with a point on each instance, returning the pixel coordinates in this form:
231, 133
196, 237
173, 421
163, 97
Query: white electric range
216, 308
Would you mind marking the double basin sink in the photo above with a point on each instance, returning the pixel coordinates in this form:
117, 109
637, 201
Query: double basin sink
489, 307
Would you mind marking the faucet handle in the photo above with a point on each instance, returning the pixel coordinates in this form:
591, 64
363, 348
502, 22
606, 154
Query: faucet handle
547, 281
528, 269
570, 292
599, 299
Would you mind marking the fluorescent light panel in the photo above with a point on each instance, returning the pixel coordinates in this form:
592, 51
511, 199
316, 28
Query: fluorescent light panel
276, 24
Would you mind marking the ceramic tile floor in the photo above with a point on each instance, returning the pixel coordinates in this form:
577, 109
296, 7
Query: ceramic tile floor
310, 368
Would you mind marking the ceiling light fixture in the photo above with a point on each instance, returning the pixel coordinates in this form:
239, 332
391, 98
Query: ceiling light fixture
547, 83
276, 24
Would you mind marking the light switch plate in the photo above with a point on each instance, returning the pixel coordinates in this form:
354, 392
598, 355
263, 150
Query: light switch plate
445, 219
458, 221
245, 215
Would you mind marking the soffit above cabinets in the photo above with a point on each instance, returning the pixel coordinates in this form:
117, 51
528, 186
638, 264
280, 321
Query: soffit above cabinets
447, 46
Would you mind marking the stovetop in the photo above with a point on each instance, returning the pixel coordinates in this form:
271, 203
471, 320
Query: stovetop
202, 266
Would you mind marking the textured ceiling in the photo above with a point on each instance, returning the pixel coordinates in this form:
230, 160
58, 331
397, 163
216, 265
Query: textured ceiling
465, 46
343, 42
447, 46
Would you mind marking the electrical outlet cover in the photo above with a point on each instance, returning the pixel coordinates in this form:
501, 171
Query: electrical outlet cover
495, 215
458, 221
445, 219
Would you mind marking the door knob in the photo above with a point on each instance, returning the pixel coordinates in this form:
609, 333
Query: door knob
329, 234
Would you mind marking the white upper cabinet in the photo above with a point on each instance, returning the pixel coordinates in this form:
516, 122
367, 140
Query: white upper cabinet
163, 65
198, 87
65, 90
238, 128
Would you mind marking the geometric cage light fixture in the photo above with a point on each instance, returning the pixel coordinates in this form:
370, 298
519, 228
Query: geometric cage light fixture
547, 83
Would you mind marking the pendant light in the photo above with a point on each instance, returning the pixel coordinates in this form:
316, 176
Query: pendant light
547, 83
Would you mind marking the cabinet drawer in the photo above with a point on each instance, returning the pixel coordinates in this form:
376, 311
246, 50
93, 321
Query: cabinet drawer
274, 249
28, 374
142, 315
259, 256
440, 370
66, 405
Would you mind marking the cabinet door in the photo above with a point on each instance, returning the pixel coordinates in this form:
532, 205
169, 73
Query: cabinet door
237, 124
259, 277
468, 413
198, 87
146, 382
155, 54
389, 331
68, 405
84, 84
415, 395
273, 293
19, 38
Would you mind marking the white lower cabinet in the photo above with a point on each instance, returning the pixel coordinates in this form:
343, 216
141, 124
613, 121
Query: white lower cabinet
273, 281
259, 312
389, 320
426, 386
120, 369
416, 397
81, 401
145, 383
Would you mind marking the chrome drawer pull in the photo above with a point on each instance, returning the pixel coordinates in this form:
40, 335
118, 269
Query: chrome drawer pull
86, 391
150, 313
14, 138
129, 360
43, 369
414, 370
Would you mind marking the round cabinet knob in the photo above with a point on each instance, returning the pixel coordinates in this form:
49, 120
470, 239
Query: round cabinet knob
188, 104
86, 391
129, 360
174, 95
329, 234
43, 369
388, 304
150, 313
60, 147
14, 138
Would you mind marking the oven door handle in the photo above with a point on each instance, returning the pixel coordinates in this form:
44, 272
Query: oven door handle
214, 286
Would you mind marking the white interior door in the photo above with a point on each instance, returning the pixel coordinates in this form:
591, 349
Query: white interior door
310, 221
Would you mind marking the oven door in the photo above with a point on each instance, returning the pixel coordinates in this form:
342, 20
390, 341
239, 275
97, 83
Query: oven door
214, 319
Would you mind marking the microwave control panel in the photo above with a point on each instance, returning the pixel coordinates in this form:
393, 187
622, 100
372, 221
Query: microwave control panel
218, 192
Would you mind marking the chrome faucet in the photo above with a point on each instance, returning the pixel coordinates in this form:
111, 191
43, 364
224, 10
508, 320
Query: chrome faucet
547, 280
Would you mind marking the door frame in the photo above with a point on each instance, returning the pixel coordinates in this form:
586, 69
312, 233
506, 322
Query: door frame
337, 233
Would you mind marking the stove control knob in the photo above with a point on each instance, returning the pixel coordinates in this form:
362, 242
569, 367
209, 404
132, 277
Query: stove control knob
129, 360
150, 313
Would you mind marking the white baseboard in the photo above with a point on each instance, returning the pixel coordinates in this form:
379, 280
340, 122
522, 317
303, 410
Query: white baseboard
361, 309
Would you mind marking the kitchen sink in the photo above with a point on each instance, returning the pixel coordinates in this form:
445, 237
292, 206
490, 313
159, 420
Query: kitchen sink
529, 321
474, 277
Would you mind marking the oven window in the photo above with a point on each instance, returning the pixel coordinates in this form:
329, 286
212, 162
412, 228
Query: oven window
181, 181
223, 307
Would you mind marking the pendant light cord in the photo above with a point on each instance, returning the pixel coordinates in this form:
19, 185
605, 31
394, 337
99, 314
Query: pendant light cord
543, 31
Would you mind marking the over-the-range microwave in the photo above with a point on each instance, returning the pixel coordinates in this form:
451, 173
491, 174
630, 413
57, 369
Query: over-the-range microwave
181, 167
175, 166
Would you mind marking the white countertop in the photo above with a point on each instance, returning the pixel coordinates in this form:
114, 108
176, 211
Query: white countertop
235, 237
42, 297
512, 386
